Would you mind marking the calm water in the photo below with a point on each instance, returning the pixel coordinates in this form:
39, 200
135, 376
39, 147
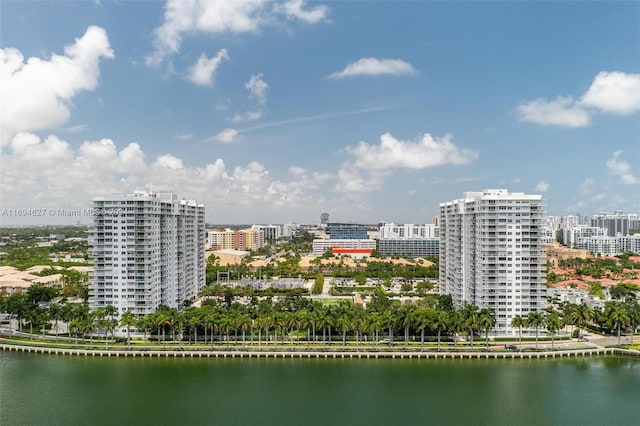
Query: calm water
47, 390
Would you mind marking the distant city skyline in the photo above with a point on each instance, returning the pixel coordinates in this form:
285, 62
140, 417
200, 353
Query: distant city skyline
274, 112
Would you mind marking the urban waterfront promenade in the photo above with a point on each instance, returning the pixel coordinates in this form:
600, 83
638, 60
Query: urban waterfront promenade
319, 354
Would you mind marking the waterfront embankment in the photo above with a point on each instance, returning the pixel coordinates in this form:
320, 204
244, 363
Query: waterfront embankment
133, 353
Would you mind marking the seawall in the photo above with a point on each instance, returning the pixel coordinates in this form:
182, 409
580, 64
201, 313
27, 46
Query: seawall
319, 354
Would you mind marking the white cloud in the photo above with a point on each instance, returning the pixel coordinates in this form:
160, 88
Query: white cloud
76, 129
297, 171
541, 187
203, 71
614, 92
257, 88
374, 66
610, 92
248, 116
621, 168
194, 17
37, 94
588, 186
352, 181
294, 10
183, 136
50, 173
226, 136
170, 162
392, 153
560, 112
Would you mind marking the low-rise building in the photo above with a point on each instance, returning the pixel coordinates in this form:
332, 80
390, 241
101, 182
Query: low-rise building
556, 252
320, 246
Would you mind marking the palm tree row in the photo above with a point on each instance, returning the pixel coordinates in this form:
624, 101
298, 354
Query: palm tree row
293, 319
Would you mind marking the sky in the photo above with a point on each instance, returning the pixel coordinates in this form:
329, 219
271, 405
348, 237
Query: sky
274, 112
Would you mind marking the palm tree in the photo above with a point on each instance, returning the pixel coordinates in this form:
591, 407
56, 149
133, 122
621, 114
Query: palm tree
75, 325
194, 320
408, 319
243, 322
423, 320
553, 322
128, 320
389, 320
470, 318
633, 308
456, 324
581, 315
519, 322
209, 322
440, 323
535, 319
616, 313
99, 316
179, 320
342, 324
55, 313
486, 322
144, 323
374, 322
111, 311
162, 319
18, 304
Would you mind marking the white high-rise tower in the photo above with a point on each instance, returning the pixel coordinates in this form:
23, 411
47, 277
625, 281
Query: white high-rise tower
491, 254
148, 250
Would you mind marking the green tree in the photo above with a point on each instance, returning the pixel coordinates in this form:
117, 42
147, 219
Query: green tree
470, 316
617, 314
55, 313
553, 323
581, 315
519, 322
111, 311
145, 324
441, 322
128, 320
536, 320
486, 322
318, 285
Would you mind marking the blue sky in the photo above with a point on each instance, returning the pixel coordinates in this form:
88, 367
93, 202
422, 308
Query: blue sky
279, 111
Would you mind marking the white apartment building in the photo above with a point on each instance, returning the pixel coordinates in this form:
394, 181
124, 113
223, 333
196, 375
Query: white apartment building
604, 245
491, 254
148, 250
409, 231
573, 234
409, 240
271, 233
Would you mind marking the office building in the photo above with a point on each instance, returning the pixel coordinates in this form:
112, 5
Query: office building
148, 250
346, 231
491, 255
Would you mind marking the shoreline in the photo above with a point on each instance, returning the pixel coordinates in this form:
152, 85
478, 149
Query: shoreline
576, 353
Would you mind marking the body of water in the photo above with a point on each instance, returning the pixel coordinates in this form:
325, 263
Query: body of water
48, 390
